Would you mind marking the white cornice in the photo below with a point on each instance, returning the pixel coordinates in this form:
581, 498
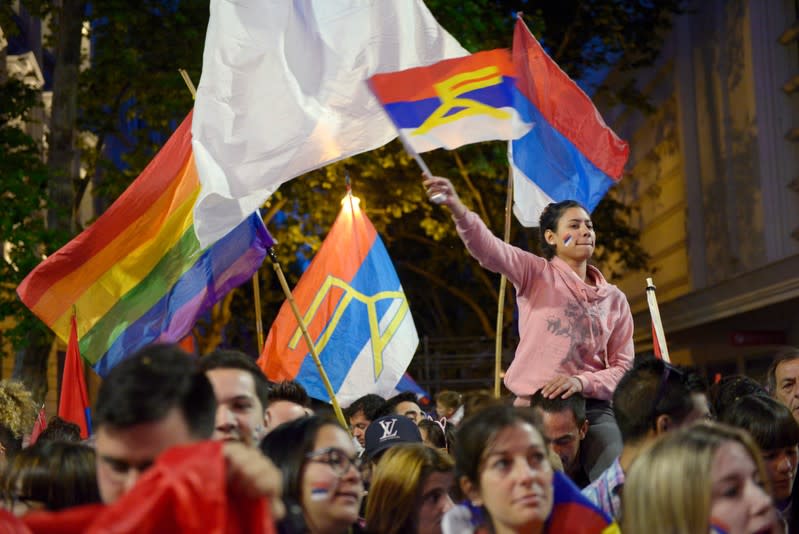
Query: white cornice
25, 67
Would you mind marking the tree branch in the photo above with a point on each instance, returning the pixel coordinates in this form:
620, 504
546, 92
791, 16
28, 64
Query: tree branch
488, 328
567, 37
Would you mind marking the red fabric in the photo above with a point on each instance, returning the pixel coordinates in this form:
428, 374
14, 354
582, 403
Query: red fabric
188, 344
38, 426
655, 344
71, 521
184, 492
11, 525
74, 403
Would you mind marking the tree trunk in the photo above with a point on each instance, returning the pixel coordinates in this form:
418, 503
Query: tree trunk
63, 158
30, 365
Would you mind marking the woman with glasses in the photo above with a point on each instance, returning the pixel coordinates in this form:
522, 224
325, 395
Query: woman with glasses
575, 329
704, 478
410, 491
322, 486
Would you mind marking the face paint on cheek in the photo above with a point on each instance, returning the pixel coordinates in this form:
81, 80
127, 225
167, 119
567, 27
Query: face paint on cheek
320, 491
567, 241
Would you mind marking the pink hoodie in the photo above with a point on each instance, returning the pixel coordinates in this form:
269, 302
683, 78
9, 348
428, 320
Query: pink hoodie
566, 327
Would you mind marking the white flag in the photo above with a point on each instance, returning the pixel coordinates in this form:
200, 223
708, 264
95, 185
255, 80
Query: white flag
283, 91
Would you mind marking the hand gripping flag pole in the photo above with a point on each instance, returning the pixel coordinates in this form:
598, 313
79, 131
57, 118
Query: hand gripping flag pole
307, 337
659, 340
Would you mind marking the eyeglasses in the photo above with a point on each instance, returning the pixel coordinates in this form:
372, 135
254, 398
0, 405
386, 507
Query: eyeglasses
668, 369
338, 461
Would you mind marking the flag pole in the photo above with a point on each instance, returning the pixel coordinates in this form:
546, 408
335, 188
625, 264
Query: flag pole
256, 287
259, 325
307, 337
657, 325
438, 198
503, 282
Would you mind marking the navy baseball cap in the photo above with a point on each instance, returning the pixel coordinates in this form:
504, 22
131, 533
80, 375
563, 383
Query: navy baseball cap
387, 431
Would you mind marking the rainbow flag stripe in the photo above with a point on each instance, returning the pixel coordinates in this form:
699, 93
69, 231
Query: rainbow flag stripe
138, 274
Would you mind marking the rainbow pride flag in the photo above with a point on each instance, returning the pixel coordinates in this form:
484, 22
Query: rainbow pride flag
453, 102
138, 274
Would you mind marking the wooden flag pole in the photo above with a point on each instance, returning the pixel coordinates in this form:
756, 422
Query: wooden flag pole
657, 325
259, 325
256, 288
307, 337
188, 82
503, 282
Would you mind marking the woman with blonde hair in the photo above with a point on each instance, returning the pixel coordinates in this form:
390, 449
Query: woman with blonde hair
708, 477
410, 491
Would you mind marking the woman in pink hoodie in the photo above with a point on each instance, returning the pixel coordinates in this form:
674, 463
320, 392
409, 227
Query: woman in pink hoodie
575, 329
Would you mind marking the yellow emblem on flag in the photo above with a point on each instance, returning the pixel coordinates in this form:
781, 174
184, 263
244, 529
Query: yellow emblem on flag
379, 341
450, 90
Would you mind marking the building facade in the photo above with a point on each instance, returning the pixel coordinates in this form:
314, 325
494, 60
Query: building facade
715, 180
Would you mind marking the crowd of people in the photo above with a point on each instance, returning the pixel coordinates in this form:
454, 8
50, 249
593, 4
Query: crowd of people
588, 440
471, 463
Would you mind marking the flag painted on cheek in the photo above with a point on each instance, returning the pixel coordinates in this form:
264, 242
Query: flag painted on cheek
453, 102
356, 312
138, 275
571, 153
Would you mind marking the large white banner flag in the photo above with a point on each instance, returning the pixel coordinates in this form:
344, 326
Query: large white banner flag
283, 91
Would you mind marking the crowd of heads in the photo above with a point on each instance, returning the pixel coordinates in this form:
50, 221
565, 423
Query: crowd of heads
468, 461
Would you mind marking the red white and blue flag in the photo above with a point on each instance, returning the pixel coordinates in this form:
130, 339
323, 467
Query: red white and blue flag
453, 102
570, 153
356, 313
572, 512
407, 383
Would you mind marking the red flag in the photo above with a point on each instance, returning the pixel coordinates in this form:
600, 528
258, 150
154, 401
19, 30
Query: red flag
187, 491
74, 403
38, 426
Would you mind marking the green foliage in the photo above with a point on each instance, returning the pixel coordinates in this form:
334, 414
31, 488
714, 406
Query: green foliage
132, 94
23, 182
133, 91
